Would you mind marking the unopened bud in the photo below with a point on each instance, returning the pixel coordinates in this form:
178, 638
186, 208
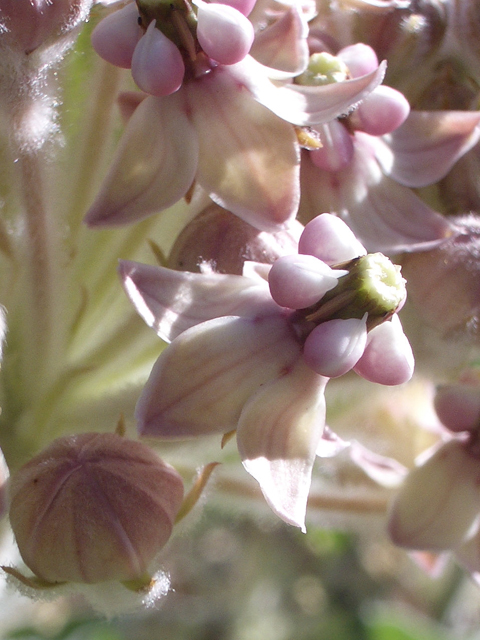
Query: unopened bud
225, 242
94, 507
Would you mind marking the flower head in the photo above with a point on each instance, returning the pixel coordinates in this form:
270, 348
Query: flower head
370, 160
239, 359
221, 124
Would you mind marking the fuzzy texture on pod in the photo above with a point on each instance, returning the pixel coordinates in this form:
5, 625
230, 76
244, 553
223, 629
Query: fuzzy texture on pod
93, 507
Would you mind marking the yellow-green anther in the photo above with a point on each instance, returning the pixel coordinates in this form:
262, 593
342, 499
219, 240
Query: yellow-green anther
323, 68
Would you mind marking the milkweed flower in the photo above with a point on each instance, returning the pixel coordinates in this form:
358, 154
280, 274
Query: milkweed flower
240, 356
226, 127
370, 161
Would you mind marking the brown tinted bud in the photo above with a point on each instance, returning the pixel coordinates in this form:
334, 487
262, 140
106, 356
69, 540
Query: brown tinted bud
93, 507
223, 240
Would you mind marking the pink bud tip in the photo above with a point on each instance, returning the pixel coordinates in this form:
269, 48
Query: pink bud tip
116, 36
334, 347
224, 33
157, 64
383, 111
458, 406
244, 6
330, 239
298, 281
360, 59
337, 147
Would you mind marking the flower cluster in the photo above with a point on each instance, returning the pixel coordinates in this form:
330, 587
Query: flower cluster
247, 120
263, 352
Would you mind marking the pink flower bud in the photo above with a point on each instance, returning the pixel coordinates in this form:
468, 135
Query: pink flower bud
157, 64
93, 507
26, 24
298, 281
117, 35
458, 406
360, 59
439, 503
337, 147
224, 241
334, 347
330, 239
383, 111
224, 33
244, 6
388, 357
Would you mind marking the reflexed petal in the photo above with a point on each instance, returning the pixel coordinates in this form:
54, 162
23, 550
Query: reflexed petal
388, 472
172, 301
283, 45
427, 145
249, 159
384, 215
438, 503
201, 381
303, 105
154, 165
388, 357
277, 435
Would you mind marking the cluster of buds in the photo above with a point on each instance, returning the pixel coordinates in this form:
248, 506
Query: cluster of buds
162, 41
346, 302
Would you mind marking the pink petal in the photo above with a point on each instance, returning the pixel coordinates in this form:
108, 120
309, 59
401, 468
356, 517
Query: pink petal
154, 165
172, 301
277, 436
303, 105
384, 215
283, 45
388, 357
249, 160
427, 145
386, 471
202, 380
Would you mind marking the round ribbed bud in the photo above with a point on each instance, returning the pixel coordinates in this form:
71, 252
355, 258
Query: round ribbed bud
93, 507
223, 240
